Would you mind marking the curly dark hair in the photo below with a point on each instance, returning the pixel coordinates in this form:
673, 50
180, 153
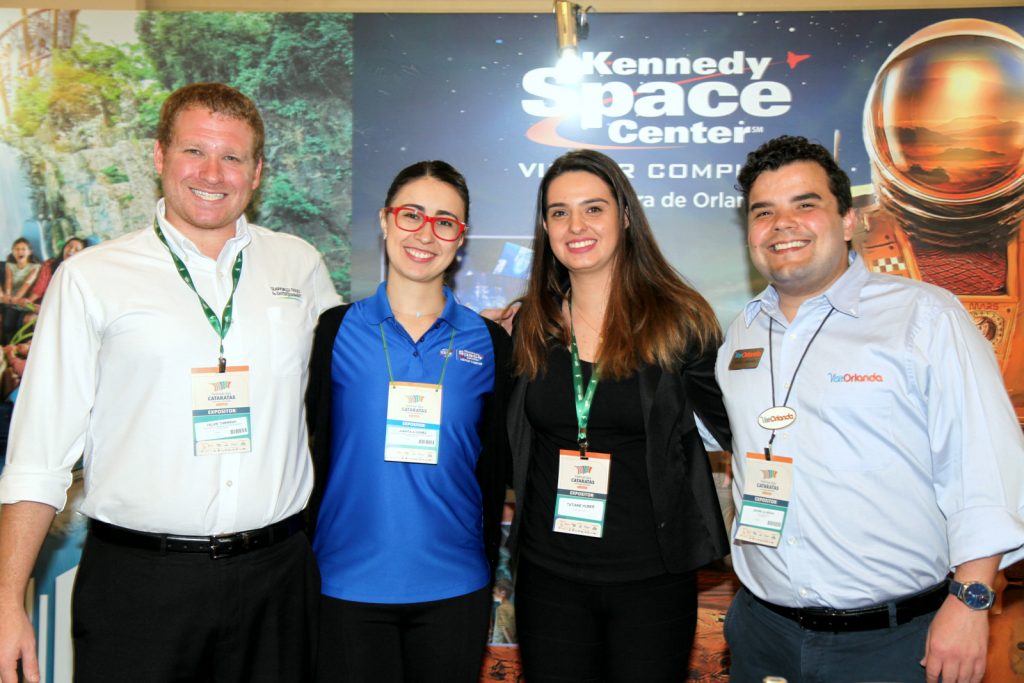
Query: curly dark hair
786, 149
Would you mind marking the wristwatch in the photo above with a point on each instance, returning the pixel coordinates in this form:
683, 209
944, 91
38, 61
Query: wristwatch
974, 594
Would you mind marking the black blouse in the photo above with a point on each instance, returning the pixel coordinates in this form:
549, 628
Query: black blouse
628, 549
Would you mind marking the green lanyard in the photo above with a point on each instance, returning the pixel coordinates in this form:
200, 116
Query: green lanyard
583, 399
220, 325
447, 355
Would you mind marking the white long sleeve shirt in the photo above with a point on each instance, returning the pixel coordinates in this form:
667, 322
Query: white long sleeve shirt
109, 376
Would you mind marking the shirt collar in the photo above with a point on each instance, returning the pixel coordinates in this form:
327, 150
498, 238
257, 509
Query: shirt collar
187, 250
843, 295
378, 309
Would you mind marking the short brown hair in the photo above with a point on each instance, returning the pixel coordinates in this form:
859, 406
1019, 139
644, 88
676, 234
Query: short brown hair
216, 98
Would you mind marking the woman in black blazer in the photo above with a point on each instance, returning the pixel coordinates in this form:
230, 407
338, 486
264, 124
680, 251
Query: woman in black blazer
616, 507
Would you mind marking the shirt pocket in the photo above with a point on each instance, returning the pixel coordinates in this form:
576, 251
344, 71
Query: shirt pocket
856, 431
291, 338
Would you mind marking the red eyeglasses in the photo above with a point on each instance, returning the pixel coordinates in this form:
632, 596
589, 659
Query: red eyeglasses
411, 219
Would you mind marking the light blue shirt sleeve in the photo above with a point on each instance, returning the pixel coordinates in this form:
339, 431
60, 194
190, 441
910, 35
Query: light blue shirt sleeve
710, 442
977, 452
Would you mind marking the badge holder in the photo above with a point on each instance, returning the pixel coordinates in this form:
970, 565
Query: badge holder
414, 423
413, 428
582, 494
221, 417
766, 495
768, 483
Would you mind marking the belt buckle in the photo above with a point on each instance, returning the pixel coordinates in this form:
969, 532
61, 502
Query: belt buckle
223, 546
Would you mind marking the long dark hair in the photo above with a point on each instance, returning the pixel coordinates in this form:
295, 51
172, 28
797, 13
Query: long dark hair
31, 254
653, 315
60, 255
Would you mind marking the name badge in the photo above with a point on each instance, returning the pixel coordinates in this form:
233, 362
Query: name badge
766, 495
582, 493
745, 359
221, 418
414, 423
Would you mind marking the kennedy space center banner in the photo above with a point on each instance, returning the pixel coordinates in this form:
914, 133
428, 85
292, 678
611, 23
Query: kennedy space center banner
924, 110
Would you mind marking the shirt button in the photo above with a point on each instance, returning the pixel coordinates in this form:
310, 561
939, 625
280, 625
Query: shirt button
803, 592
792, 541
415, 354
230, 483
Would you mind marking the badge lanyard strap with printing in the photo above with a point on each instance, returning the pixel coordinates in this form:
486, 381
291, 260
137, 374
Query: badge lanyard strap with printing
387, 358
220, 325
792, 380
583, 399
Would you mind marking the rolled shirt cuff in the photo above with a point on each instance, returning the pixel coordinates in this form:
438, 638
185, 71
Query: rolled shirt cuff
980, 532
49, 488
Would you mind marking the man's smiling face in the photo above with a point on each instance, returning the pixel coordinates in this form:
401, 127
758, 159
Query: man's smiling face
208, 172
796, 235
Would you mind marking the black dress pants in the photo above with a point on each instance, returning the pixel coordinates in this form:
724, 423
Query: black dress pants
441, 641
145, 616
604, 633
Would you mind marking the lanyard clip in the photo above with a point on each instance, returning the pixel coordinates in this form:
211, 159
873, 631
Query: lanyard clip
222, 364
583, 444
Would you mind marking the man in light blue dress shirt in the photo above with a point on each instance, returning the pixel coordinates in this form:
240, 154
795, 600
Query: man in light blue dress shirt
875, 451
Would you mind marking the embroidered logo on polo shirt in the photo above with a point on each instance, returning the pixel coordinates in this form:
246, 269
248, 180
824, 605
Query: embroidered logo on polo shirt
471, 357
290, 293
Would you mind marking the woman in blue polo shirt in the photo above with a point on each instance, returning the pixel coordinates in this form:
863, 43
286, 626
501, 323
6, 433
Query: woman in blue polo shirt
406, 412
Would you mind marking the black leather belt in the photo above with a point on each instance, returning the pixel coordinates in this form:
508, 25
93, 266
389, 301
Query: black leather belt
866, 618
218, 547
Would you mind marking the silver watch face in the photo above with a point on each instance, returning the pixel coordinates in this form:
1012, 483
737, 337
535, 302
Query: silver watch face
977, 596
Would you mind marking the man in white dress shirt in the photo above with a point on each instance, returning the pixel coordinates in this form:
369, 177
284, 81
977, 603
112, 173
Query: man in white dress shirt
175, 359
875, 451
